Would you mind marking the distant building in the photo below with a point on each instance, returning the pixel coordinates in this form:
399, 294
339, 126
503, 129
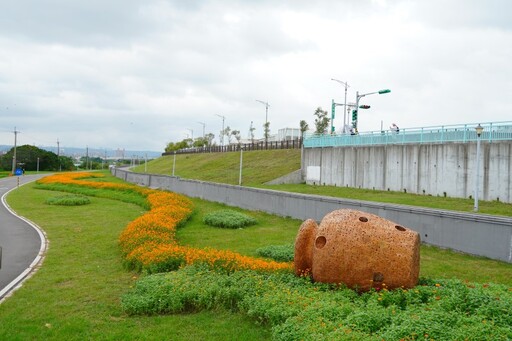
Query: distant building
287, 134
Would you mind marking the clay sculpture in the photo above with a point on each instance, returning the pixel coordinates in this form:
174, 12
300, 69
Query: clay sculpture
358, 249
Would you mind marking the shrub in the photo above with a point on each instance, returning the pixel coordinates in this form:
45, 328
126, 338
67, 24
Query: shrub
228, 219
68, 200
279, 253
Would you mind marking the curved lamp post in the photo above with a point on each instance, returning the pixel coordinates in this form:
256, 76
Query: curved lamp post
358, 97
479, 129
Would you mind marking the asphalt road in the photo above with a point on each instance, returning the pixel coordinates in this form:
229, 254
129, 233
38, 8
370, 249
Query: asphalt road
22, 243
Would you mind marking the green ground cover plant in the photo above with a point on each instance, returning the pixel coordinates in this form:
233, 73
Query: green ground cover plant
68, 200
76, 294
280, 253
229, 219
298, 309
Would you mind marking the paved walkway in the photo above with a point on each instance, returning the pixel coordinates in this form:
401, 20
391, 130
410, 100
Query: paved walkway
23, 243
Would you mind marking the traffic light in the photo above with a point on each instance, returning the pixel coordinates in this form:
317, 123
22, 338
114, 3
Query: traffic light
354, 115
333, 111
364, 106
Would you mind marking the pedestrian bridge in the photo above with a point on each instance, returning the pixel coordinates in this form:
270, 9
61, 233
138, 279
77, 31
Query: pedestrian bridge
494, 131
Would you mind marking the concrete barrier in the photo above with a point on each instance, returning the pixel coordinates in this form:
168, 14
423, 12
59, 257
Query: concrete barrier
477, 234
445, 169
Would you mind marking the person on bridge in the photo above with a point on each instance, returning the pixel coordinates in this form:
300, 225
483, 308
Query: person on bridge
394, 128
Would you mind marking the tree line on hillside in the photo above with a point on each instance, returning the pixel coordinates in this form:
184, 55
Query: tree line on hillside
31, 158
321, 125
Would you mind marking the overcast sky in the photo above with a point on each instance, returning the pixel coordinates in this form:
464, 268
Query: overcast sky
139, 74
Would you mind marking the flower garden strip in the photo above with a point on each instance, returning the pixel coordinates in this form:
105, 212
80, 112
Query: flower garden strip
149, 243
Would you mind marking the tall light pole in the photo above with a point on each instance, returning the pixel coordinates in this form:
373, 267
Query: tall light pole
479, 129
358, 97
14, 154
345, 105
266, 118
58, 155
241, 159
222, 132
204, 125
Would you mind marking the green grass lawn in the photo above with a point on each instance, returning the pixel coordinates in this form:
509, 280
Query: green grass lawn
263, 166
76, 294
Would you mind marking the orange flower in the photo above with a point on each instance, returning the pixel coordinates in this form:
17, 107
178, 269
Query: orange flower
149, 240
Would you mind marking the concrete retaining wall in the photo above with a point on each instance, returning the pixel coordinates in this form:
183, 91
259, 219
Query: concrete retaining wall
447, 169
476, 234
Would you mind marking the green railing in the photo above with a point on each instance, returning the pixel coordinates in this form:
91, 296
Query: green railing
495, 131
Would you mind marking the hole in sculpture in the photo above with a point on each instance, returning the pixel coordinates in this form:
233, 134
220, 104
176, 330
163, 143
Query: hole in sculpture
320, 242
400, 228
378, 277
363, 219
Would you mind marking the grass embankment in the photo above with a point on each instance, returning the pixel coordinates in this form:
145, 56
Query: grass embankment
263, 166
259, 166
76, 294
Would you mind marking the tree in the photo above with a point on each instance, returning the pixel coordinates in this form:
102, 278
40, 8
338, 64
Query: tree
303, 128
266, 130
174, 146
209, 139
251, 131
200, 142
226, 132
322, 121
236, 134
32, 158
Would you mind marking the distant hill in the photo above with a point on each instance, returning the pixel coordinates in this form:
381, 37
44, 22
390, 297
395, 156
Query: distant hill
95, 152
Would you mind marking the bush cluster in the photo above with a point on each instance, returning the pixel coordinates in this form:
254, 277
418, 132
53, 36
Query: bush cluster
228, 219
279, 253
68, 200
298, 309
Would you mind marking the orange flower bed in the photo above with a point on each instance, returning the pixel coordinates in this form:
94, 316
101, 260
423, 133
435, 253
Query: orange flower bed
149, 242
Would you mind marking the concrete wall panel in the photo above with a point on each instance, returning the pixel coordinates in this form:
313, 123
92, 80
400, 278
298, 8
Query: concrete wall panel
431, 169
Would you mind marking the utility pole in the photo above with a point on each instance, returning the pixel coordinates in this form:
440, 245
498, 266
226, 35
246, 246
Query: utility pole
344, 112
222, 132
14, 154
204, 125
58, 154
266, 118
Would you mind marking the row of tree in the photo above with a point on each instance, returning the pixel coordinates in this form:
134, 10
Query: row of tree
31, 158
321, 125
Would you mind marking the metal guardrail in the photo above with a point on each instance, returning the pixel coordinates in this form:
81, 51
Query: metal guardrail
494, 131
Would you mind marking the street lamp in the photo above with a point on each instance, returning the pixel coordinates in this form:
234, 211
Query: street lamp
358, 97
222, 132
266, 118
345, 105
479, 129
204, 125
241, 158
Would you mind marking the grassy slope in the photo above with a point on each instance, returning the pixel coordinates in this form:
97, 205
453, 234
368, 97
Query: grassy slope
262, 166
258, 166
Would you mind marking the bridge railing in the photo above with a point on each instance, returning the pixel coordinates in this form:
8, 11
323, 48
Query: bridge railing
493, 131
